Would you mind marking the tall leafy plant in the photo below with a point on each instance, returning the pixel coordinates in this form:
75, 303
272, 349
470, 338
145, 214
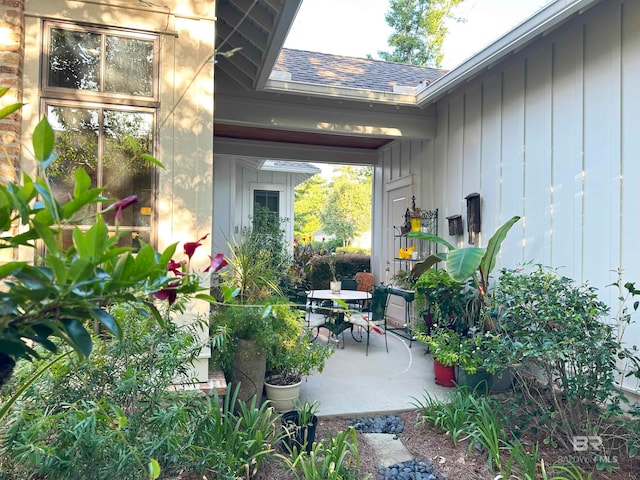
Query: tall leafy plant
470, 262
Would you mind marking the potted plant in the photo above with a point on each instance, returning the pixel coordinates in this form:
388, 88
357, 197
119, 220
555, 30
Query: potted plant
293, 356
243, 355
248, 288
440, 299
470, 263
444, 345
470, 369
299, 427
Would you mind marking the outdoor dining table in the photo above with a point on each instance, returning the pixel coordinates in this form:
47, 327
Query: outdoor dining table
336, 321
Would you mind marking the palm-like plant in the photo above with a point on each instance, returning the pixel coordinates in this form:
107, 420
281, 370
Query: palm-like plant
469, 262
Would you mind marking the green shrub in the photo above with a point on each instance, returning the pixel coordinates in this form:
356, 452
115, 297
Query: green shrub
557, 329
106, 417
347, 265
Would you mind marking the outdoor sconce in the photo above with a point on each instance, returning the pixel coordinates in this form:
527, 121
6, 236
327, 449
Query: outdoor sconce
455, 225
473, 216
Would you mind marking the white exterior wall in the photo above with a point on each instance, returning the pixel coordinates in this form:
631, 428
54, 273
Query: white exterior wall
233, 198
551, 134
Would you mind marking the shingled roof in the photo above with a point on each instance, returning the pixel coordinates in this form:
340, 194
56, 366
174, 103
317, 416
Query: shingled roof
340, 71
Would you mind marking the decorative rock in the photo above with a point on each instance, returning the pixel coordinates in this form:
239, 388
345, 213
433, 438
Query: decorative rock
411, 470
379, 424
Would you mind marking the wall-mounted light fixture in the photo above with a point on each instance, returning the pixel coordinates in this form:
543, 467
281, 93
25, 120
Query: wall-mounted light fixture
473, 216
455, 225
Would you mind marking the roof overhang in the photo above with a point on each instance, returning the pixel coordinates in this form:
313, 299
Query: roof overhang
346, 93
539, 24
255, 30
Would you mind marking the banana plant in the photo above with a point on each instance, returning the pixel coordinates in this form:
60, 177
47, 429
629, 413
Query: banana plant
469, 262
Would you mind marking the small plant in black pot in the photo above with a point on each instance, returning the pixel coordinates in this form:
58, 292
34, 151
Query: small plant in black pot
299, 427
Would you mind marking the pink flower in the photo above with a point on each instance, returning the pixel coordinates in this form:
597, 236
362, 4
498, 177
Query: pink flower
190, 247
175, 267
217, 262
122, 204
168, 293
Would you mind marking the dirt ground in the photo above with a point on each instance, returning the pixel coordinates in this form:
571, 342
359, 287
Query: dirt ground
454, 463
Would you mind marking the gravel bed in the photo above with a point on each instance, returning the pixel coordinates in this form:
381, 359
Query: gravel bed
379, 424
410, 470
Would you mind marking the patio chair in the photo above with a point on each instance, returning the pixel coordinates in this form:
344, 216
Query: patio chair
374, 316
364, 281
351, 284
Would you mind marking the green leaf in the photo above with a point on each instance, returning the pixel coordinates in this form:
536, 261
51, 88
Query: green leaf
421, 267
9, 109
46, 343
14, 348
80, 270
493, 247
79, 336
206, 298
120, 415
47, 236
463, 263
107, 320
167, 254
21, 199
152, 160
59, 268
11, 268
3, 91
154, 469
430, 237
156, 314
83, 182
43, 140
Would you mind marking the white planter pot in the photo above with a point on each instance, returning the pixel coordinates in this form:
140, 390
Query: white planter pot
283, 397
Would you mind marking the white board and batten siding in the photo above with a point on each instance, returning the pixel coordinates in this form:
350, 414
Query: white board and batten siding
398, 179
552, 133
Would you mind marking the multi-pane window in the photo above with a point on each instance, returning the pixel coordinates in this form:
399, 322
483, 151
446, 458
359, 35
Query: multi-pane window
100, 62
99, 94
269, 199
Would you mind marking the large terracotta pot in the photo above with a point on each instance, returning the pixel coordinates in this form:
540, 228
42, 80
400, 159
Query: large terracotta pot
249, 365
445, 374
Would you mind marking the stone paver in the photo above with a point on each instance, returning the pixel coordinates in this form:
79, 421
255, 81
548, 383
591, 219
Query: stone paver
389, 449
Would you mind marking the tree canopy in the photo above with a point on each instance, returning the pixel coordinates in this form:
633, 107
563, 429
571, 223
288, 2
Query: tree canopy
347, 210
308, 199
420, 28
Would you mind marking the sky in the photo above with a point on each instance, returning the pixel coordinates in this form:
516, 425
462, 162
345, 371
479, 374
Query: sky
356, 28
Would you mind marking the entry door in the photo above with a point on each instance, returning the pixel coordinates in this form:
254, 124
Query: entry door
399, 201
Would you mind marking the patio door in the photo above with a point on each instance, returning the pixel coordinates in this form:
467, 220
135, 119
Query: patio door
399, 198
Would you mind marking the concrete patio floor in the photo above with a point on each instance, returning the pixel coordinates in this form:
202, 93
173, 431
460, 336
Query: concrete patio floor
354, 384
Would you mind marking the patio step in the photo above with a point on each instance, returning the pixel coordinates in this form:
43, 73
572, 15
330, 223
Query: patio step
388, 447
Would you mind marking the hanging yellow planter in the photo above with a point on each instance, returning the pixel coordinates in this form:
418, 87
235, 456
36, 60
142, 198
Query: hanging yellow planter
415, 224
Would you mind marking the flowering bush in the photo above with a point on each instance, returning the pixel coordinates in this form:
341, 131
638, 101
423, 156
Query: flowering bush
303, 254
52, 303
